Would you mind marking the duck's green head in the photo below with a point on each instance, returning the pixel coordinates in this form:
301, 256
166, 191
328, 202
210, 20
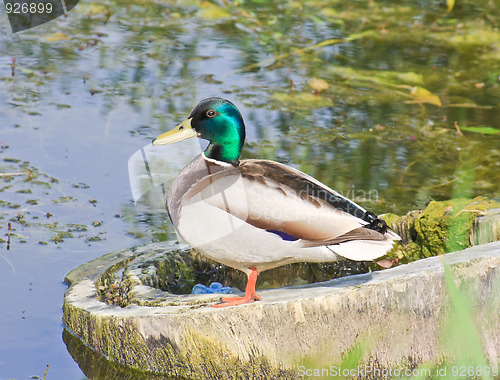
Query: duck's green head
216, 120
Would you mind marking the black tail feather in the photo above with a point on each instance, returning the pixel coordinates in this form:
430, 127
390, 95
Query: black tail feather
375, 223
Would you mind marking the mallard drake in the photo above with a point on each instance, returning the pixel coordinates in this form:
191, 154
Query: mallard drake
254, 215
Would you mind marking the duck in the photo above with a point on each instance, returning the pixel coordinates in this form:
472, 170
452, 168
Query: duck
254, 215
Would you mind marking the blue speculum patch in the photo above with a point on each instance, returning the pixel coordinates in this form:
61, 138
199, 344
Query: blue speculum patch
283, 235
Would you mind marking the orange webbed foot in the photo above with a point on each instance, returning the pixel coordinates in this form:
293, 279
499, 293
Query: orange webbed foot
250, 295
237, 301
229, 299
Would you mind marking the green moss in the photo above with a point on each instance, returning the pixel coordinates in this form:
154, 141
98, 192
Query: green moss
442, 227
93, 239
176, 273
75, 227
112, 288
120, 340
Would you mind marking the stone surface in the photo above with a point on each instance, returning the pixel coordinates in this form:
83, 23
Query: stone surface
397, 317
486, 227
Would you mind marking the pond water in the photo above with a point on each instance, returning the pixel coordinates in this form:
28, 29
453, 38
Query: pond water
392, 105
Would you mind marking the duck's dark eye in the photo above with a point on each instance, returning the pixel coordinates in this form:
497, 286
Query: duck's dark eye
211, 113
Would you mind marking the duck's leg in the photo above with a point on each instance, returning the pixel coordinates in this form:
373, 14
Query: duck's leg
250, 294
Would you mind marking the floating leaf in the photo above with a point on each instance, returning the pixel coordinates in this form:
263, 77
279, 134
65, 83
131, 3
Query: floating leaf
381, 77
329, 12
469, 105
57, 36
26, 71
485, 130
302, 99
211, 11
421, 95
318, 85
99, 9
404, 77
449, 5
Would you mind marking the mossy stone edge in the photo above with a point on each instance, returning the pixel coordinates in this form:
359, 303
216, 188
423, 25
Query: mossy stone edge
291, 326
310, 325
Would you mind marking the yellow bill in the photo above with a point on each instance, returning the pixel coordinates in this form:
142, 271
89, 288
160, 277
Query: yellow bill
181, 132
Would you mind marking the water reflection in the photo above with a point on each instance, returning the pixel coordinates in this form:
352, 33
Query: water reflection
96, 367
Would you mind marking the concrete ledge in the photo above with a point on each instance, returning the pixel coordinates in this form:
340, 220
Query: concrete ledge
397, 314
